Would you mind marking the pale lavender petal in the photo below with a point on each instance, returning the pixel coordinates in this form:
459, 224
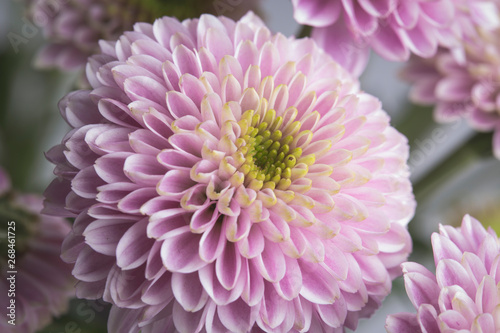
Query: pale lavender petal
316, 13
402, 323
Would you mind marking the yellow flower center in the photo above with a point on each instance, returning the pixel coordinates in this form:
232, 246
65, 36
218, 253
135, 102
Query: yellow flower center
272, 159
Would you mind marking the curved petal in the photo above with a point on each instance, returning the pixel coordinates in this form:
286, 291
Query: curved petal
180, 251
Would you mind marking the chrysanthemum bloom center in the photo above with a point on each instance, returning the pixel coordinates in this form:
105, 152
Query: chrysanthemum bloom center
264, 147
255, 150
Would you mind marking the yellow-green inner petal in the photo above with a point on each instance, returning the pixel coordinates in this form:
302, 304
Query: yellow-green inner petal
271, 159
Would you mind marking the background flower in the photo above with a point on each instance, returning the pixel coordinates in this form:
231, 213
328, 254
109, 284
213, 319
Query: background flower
74, 27
463, 293
392, 28
464, 82
215, 170
43, 283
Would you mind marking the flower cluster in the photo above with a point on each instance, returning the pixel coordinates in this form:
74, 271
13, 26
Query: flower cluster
74, 27
392, 28
465, 82
226, 179
464, 294
35, 283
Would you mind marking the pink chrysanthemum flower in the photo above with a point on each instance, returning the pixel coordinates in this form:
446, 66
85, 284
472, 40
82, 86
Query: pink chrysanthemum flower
35, 283
392, 28
464, 294
464, 84
224, 178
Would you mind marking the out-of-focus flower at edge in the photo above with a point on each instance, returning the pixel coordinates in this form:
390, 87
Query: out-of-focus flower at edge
464, 293
392, 28
224, 178
74, 27
464, 84
43, 283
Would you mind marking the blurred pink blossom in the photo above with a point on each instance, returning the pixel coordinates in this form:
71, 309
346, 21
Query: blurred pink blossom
464, 293
35, 283
348, 29
464, 82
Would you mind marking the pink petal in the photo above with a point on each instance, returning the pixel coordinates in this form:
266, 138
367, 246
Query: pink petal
444, 248
238, 227
132, 202
253, 244
421, 289
145, 88
317, 285
204, 218
215, 290
449, 273
452, 320
188, 291
339, 42
483, 323
254, 285
154, 264
228, 266
143, 169
486, 296
237, 316
166, 221
319, 13
271, 262
186, 61
175, 183
86, 182
453, 89
334, 314
212, 242
218, 42
379, 7
402, 323
289, 287
273, 308
388, 44
159, 291
440, 13
426, 316
91, 266
187, 142
474, 266
180, 105
103, 235
361, 21
179, 252
176, 159
187, 322
134, 246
